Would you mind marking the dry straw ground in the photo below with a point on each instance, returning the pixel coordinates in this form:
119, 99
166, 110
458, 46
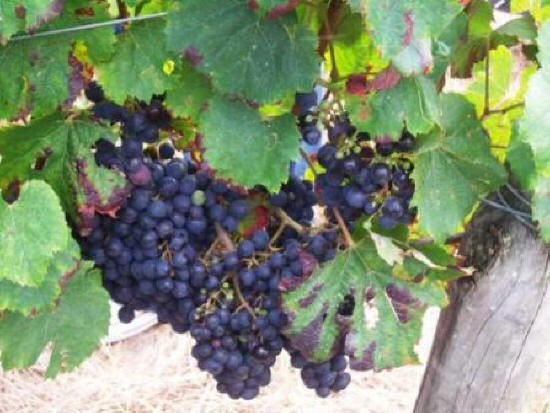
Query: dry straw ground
154, 372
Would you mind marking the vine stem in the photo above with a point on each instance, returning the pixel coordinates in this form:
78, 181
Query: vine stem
350, 243
87, 26
224, 238
288, 221
503, 110
309, 163
487, 69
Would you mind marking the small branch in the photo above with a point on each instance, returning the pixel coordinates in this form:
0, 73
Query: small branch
429, 241
288, 221
277, 234
487, 69
211, 248
224, 238
122, 10
503, 110
350, 243
309, 163
326, 34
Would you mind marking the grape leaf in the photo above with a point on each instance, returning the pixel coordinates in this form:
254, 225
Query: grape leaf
35, 72
428, 18
541, 205
534, 129
354, 49
26, 15
275, 8
412, 101
259, 153
481, 38
74, 327
387, 315
32, 230
100, 41
433, 261
445, 47
262, 59
500, 76
136, 68
521, 160
454, 168
58, 141
536, 122
190, 94
34, 76
25, 299
99, 190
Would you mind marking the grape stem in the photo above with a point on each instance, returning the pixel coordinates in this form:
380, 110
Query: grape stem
224, 238
350, 243
309, 163
288, 221
503, 110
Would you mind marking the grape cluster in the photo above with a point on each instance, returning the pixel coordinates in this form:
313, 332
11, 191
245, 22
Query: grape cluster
307, 118
176, 247
324, 378
150, 252
360, 179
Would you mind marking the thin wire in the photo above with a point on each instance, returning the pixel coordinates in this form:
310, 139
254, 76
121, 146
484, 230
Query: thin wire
513, 212
86, 26
505, 208
518, 195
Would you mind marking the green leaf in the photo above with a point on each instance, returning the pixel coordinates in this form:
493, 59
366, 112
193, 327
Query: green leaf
534, 129
500, 76
354, 49
446, 45
454, 168
32, 230
99, 190
19, 15
74, 327
387, 313
59, 141
536, 122
35, 72
262, 59
541, 205
34, 76
15, 297
259, 152
482, 38
389, 37
521, 160
413, 102
100, 41
267, 5
136, 68
428, 19
191, 92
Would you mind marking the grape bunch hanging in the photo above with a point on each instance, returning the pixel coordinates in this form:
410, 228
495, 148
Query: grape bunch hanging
212, 259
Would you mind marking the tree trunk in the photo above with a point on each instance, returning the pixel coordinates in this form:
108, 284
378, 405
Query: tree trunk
491, 351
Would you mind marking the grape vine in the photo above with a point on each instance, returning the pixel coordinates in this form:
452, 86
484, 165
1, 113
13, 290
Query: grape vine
269, 177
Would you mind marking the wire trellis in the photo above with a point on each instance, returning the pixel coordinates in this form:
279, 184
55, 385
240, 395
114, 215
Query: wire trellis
89, 26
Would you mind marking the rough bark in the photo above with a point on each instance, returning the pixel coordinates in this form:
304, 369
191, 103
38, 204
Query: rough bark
492, 347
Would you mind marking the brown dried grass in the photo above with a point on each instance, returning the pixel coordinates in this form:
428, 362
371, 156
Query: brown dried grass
154, 372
